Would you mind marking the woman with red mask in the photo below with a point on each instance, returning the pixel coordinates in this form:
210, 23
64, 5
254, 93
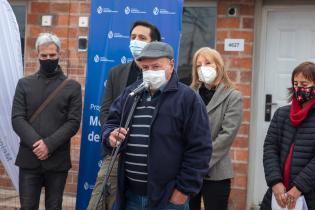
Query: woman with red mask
289, 148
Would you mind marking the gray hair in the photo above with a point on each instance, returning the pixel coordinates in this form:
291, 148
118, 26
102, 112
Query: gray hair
47, 38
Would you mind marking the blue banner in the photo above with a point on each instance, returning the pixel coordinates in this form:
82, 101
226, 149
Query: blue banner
108, 46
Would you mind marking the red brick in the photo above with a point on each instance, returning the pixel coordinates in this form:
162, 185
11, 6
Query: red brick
244, 129
247, 23
246, 77
221, 36
74, 7
248, 49
60, 8
240, 168
40, 7
247, 35
233, 76
240, 155
85, 8
240, 142
237, 199
247, 9
246, 116
228, 22
62, 20
33, 19
246, 103
239, 181
242, 63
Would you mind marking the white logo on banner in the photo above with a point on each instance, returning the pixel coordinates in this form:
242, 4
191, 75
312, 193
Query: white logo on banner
99, 10
88, 186
123, 59
100, 162
127, 10
96, 59
117, 35
156, 11
159, 11
110, 35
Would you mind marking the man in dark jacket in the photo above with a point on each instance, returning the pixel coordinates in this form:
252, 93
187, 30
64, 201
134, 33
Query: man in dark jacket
118, 79
165, 155
44, 153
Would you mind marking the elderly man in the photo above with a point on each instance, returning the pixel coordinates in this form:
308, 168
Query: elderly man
119, 78
45, 127
167, 146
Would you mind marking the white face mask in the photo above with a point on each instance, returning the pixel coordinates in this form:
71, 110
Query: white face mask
136, 47
154, 78
207, 74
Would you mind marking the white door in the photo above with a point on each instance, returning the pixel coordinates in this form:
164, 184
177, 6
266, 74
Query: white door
288, 39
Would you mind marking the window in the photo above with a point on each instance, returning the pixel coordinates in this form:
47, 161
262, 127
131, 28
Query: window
19, 9
198, 30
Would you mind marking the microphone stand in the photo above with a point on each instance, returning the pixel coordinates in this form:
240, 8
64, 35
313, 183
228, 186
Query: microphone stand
106, 185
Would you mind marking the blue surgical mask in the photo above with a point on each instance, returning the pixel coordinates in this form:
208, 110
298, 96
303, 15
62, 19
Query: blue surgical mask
136, 47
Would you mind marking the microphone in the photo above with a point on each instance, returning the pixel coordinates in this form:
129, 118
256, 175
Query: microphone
139, 89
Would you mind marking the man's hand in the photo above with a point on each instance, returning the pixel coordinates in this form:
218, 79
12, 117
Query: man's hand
280, 195
117, 136
40, 149
292, 196
178, 198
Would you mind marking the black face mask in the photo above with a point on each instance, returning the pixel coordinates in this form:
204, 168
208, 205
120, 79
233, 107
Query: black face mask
304, 94
49, 65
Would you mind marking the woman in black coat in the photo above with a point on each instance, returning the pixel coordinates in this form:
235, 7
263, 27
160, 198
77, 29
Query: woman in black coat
289, 148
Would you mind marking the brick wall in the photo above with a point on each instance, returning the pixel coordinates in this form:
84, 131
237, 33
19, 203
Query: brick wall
239, 64
65, 25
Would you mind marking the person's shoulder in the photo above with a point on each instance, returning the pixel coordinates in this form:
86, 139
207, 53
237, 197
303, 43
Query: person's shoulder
29, 78
235, 94
74, 83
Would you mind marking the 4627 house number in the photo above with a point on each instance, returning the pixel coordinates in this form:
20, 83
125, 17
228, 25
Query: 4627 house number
234, 45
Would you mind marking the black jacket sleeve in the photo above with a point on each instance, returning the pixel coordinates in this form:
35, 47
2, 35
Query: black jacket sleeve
271, 156
20, 122
108, 98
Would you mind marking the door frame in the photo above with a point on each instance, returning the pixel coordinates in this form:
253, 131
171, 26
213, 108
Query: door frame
258, 97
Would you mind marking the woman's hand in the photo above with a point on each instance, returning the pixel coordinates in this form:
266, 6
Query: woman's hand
117, 136
292, 196
280, 195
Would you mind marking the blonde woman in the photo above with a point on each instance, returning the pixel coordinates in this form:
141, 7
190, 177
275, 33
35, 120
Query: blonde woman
224, 107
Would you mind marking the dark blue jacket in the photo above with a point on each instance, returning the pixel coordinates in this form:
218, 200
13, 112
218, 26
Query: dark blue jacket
180, 143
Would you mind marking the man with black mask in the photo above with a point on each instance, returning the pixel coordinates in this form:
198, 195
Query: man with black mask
46, 113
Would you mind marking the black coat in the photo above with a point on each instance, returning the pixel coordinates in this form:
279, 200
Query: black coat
117, 81
281, 134
56, 124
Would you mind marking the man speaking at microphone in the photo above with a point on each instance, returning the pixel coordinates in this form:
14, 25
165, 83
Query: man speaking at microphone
167, 146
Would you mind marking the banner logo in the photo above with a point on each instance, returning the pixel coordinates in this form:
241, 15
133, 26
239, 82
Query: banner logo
96, 59
116, 35
101, 10
159, 11
129, 10
156, 11
110, 35
123, 59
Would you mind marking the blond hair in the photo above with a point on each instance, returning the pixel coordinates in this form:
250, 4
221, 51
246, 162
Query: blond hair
222, 75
